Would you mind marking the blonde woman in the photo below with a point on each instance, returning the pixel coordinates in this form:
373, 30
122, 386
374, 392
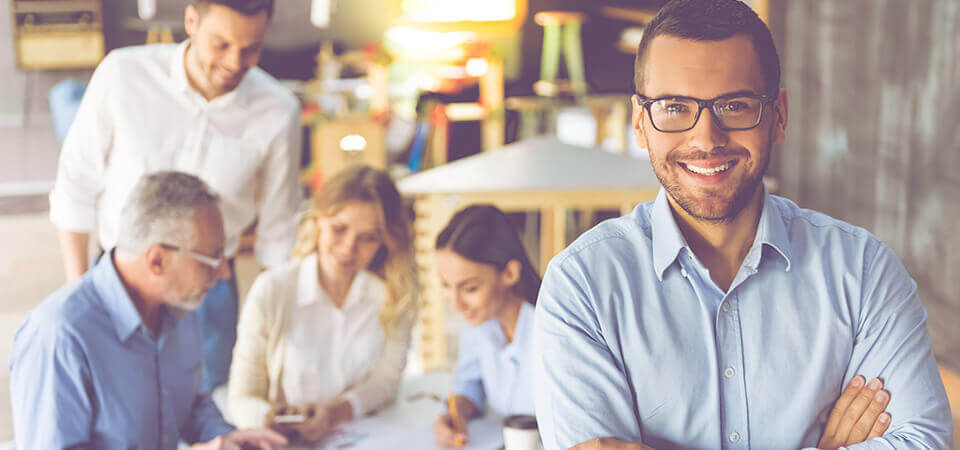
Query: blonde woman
325, 337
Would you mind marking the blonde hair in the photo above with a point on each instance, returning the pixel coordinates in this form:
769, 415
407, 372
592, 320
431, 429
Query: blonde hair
394, 262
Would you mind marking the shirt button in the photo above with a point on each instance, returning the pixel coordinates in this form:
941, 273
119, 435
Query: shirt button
725, 307
734, 437
683, 272
729, 372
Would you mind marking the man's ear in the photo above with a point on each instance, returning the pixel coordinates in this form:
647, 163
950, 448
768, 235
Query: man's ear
156, 259
510, 275
191, 20
780, 107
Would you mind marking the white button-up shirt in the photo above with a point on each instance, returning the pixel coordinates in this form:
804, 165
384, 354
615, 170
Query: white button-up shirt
328, 348
140, 115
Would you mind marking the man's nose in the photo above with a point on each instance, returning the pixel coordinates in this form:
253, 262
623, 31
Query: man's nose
706, 134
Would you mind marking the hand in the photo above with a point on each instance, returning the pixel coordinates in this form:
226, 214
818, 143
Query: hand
609, 444
285, 429
318, 424
241, 439
446, 434
858, 415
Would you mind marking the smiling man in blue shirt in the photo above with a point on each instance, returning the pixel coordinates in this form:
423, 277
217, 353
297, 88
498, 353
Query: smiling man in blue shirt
718, 315
114, 360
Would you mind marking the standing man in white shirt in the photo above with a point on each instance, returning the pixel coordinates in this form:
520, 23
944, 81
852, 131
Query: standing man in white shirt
200, 107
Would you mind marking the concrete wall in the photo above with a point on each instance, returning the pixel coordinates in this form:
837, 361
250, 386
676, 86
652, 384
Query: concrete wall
873, 136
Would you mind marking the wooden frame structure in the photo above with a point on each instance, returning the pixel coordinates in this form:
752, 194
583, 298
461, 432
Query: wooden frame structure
539, 174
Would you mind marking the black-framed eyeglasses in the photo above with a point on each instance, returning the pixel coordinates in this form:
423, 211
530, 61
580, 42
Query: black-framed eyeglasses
676, 114
210, 261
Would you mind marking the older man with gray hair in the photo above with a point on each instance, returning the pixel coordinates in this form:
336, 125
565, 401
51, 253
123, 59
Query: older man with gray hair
114, 360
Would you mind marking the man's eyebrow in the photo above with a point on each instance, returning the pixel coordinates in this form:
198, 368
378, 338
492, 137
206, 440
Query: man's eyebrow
728, 94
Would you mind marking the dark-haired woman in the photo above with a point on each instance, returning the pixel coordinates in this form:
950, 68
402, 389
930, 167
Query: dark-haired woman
489, 280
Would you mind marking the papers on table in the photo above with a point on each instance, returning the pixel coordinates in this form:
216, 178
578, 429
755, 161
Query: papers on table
408, 423
375, 434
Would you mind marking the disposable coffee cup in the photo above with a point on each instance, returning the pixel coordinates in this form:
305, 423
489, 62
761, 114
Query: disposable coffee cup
520, 433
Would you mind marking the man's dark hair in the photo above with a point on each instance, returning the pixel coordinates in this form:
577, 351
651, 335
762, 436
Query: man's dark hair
246, 7
712, 20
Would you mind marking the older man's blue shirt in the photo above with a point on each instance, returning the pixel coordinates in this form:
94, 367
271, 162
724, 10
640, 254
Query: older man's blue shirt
635, 341
85, 371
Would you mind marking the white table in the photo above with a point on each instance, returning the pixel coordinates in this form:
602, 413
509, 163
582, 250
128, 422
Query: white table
408, 423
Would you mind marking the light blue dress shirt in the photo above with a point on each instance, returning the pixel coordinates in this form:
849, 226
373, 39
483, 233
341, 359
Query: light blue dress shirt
491, 369
85, 371
634, 341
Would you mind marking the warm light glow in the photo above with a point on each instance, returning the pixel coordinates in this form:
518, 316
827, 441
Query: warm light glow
353, 143
439, 11
146, 9
363, 91
450, 72
416, 44
477, 67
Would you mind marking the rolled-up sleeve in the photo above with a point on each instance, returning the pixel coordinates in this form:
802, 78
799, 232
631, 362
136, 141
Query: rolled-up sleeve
893, 343
49, 383
80, 171
279, 197
581, 390
205, 421
468, 379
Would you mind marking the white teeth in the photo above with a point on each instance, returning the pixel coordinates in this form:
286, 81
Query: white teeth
710, 171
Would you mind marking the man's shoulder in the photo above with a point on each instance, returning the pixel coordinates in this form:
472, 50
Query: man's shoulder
270, 93
138, 56
71, 311
803, 221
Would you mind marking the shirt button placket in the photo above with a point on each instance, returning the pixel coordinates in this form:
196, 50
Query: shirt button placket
734, 408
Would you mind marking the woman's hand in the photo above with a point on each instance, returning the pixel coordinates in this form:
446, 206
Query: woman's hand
858, 415
446, 434
319, 423
316, 425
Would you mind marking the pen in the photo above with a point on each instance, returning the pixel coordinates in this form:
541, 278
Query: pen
457, 424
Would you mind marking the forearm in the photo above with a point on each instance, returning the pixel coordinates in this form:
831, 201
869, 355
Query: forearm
73, 246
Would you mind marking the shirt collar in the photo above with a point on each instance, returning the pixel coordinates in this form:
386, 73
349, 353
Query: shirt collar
114, 297
771, 231
668, 241
521, 335
666, 237
178, 74
308, 286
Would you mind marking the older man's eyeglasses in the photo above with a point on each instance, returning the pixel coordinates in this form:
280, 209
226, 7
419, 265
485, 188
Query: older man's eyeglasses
674, 114
207, 260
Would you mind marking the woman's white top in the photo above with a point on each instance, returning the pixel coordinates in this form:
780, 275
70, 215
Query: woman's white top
330, 348
295, 346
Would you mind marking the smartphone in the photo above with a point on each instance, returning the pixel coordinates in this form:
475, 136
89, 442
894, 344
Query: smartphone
290, 418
